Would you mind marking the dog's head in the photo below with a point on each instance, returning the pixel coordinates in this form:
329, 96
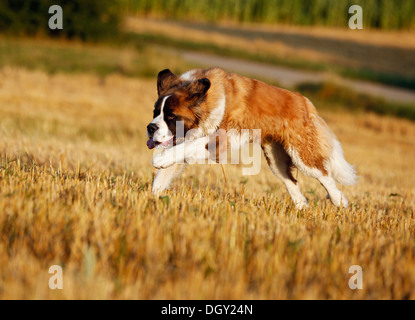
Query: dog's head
178, 100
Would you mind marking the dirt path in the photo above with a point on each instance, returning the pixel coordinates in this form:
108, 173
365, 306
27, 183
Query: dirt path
290, 77
381, 52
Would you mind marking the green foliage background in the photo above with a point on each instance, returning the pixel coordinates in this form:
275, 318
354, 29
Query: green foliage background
82, 19
97, 19
383, 14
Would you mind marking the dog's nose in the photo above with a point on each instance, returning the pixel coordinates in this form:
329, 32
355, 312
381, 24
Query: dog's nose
151, 128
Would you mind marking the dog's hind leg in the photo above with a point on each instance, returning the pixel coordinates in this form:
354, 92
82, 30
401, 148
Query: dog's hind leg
164, 177
335, 195
280, 163
323, 173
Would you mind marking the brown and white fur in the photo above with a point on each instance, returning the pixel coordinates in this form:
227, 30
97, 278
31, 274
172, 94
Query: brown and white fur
292, 133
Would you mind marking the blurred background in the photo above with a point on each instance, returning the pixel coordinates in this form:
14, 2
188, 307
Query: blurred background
303, 45
76, 175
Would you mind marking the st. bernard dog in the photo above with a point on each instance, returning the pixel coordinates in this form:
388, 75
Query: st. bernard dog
293, 135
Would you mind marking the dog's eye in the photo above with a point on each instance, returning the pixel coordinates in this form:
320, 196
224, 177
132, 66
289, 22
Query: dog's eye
171, 117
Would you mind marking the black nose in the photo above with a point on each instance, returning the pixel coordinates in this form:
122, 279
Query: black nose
151, 128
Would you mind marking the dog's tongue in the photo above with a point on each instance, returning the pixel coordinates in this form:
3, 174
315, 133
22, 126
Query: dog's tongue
150, 143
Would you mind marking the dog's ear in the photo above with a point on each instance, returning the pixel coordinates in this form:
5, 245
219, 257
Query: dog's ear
164, 80
199, 88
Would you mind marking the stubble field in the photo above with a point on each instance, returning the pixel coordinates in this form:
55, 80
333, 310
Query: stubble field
75, 191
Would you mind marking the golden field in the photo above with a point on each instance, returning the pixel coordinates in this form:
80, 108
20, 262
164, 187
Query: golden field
75, 181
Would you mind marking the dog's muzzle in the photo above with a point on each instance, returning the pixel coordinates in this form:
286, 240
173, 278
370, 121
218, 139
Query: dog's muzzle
151, 143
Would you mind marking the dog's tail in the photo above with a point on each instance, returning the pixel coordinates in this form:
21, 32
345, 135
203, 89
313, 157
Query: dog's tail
335, 163
342, 171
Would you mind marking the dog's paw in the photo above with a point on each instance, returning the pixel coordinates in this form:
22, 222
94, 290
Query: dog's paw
301, 205
161, 161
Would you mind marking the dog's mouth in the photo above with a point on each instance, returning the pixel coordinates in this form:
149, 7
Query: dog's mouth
151, 144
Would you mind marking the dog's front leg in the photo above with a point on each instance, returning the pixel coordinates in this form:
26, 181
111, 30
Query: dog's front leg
192, 151
164, 177
169, 156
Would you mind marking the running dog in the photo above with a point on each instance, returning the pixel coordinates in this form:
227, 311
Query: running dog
293, 135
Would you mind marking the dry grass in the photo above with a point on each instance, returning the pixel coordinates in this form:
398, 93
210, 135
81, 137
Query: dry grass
75, 180
53, 56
